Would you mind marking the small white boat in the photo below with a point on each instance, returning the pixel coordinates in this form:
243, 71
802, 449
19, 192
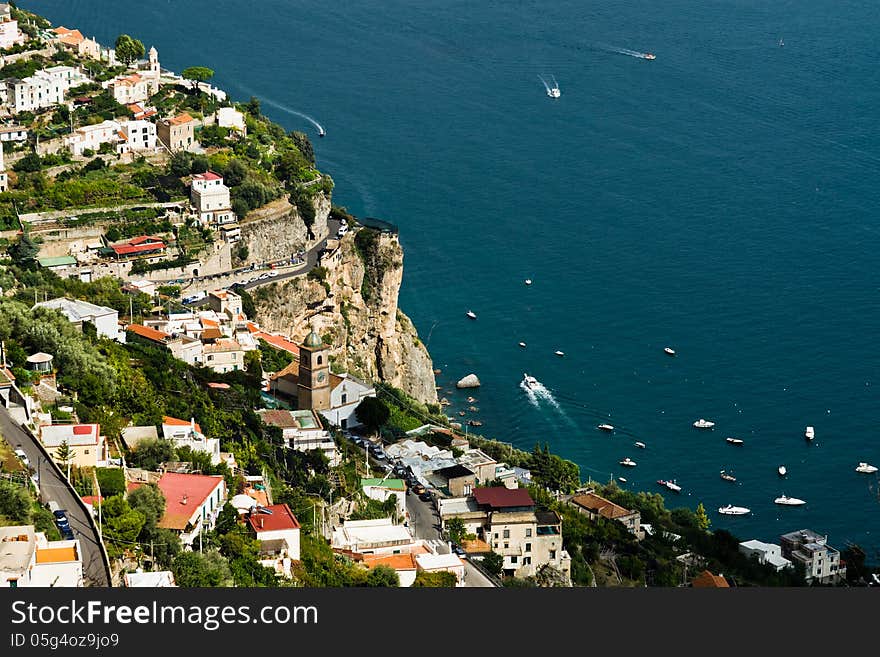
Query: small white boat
530, 382
528, 281
554, 92
809, 433
703, 424
522, 344
628, 462
559, 353
867, 468
471, 314
731, 510
726, 476
781, 470
670, 484
735, 441
606, 427
640, 444
789, 501
669, 350
622, 480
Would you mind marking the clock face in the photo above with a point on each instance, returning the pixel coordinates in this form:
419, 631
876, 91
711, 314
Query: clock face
321, 377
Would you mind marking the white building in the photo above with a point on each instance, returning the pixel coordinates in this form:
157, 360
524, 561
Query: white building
436, 563
379, 536
88, 448
92, 137
229, 117
821, 561
139, 135
767, 553
132, 88
10, 35
346, 392
382, 490
223, 355
28, 559
45, 88
210, 198
302, 430
152, 580
105, 320
4, 177
278, 533
189, 434
192, 503
13, 133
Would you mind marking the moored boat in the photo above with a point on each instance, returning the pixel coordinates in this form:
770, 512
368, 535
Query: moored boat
606, 427
669, 350
789, 501
628, 462
734, 441
730, 510
726, 476
781, 470
471, 314
640, 444
670, 484
559, 353
704, 424
867, 468
809, 433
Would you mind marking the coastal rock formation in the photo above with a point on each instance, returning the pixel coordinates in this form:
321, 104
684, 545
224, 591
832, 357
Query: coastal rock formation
470, 381
351, 300
277, 230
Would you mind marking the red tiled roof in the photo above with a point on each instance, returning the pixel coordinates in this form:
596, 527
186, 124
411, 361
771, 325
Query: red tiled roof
209, 323
707, 580
396, 561
281, 518
174, 422
184, 494
180, 119
146, 239
597, 504
211, 334
147, 332
208, 175
499, 497
129, 248
279, 342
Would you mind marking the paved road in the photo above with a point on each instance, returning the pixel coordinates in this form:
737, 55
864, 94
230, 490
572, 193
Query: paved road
54, 487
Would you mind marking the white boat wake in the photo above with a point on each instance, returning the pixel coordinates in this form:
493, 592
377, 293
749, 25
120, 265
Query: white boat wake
284, 108
626, 51
545, 83
538, 393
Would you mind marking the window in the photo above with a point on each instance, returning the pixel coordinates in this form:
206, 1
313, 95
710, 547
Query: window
506, 533
320, 359
513, 559
552, 554
528, 532
528, 547
506, 545
496, 535
344, 398
86, 451
527, 561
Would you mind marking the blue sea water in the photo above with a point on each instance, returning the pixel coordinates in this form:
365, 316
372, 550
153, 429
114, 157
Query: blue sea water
721, 199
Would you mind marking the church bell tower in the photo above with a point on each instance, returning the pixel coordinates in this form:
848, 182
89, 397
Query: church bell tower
314, 374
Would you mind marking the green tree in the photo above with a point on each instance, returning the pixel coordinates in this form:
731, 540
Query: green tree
128, 49
372, 412
703, 521
150, 502
23, 252
64, 454
28, 164
455, 529
150, 453
382, 576
441, 579
197, 74
494, 563
180, 164
227, 520
15, 504
201, 569
234, 173
111, 481
121, 526
252, 107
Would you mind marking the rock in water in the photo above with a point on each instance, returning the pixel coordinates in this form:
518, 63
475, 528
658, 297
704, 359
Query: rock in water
470, 381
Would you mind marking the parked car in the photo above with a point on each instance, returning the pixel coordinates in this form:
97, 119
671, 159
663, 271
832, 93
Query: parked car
418, 489
458, 550
342, 231
426, 497
23, 457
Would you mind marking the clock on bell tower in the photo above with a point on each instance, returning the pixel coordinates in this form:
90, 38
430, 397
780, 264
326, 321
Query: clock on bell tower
314, 374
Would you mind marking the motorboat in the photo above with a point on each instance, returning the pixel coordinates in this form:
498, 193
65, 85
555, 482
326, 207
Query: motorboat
726, 476
703, 424
809, 433
606, 427
789, 501
528, 281
530, 382
554, 92
669, 350
730, 510
640, 444
321, 132
734, 441
781, 470
622, 480
867, 468
650, 55
670, 484
522, 344
471, 314
628, 462
559, 353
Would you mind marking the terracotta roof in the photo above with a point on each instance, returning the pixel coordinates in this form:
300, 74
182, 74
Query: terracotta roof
707, 580
498, 497
279, 342
475, 546
282, 518
222, 346
56, 555
395, 561
134, 108
131, 247
129, 80
147, 332
146, 239
279, 418
174, 422
180, 119
211, 334
68, 36
209, 323
290, 370
184, 494
597, 504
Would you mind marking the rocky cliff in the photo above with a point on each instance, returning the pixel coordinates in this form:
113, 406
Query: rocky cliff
277, 230
351, 300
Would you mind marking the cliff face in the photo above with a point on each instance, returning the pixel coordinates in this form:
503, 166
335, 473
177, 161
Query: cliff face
277, 231
352, 303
